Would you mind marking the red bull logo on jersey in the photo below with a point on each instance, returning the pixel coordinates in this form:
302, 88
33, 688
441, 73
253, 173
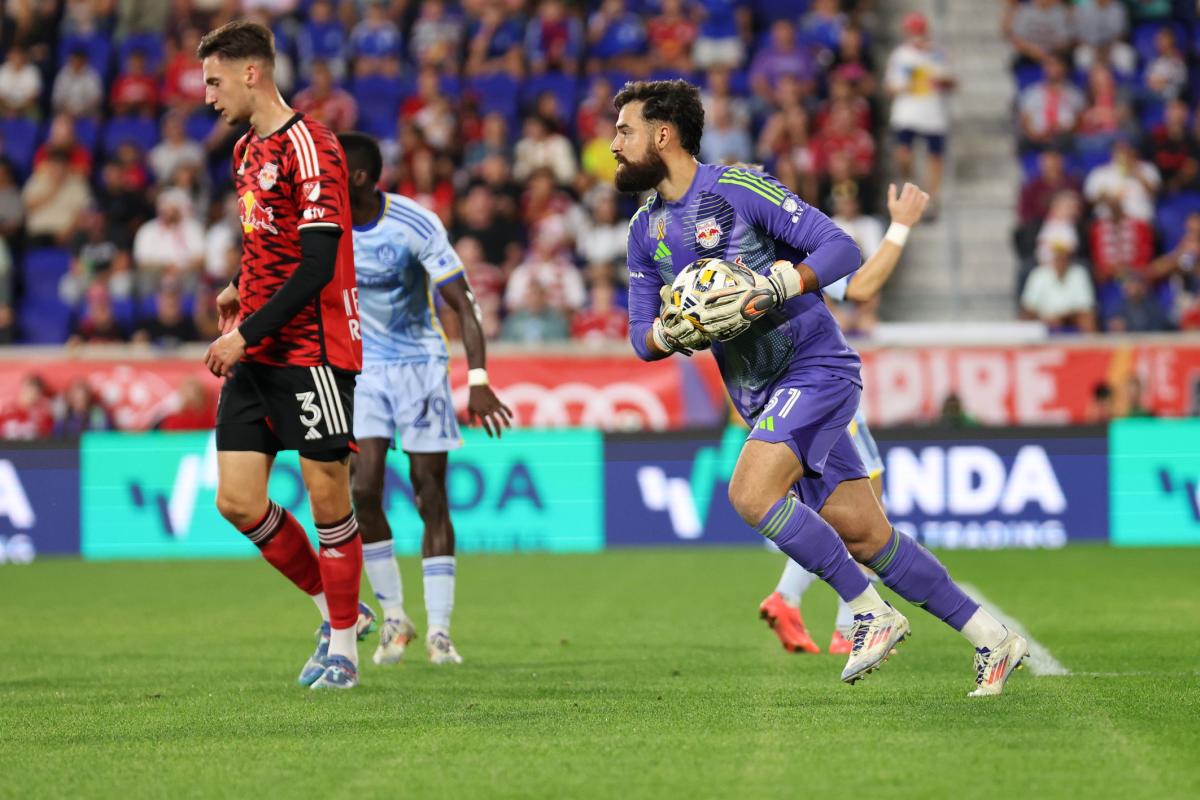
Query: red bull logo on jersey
268, 176
708, 232
255, 216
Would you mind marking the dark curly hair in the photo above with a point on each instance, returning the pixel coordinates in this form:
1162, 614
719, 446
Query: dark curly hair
236, 40
676, 102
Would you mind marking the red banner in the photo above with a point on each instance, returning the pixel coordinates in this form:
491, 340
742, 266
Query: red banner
1026, 385
605, 392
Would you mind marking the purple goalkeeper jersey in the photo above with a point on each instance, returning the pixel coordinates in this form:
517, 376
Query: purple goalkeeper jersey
748, 217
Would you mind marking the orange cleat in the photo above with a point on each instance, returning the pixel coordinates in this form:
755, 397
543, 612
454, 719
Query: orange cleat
787, 624
839, 645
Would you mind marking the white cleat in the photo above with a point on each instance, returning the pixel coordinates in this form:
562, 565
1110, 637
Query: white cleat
993, 667
394, 639
874, 636
441, 649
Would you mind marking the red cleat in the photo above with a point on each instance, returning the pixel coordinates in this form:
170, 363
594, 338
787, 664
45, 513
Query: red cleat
787, 624
839, 645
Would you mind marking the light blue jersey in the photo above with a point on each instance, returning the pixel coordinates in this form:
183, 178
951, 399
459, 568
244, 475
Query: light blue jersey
398, 259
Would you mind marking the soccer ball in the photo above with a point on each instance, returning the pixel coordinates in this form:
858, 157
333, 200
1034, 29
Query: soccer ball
711, 283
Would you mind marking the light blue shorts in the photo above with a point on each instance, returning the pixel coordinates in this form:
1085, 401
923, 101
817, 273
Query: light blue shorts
864, 442
411, 400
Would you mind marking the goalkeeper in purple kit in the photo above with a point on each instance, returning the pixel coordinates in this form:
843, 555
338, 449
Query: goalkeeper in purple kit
799, 480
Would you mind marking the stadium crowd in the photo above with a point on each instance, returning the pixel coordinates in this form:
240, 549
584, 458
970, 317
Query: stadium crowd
115, 189
1108, 229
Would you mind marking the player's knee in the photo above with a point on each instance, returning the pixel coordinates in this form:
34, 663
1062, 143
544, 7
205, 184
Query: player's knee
366, 498
750, 504
238, 511
430, 498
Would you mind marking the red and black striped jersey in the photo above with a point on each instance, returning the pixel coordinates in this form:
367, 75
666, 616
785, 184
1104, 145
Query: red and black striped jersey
293, 180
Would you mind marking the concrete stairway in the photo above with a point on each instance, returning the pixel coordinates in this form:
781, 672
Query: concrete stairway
961, 266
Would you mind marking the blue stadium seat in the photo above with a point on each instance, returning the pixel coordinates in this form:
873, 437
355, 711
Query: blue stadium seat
18, 142
379, 100
141, 131
87, 131
1029, 165
1143, 38
98, 48
497, 94
1027, 75
43, 321
199, 124
42, 269
150, 44
1150, 114
125, 312
564, 88
1172, 215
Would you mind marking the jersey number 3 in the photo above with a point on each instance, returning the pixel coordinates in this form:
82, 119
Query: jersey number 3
310, 414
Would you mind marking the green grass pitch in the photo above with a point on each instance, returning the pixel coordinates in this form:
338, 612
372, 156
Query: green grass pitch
622, 675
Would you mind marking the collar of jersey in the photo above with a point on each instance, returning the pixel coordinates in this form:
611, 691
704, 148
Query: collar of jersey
295, 118
383, 207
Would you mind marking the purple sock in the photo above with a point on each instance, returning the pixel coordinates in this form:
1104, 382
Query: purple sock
810, 542
911, 571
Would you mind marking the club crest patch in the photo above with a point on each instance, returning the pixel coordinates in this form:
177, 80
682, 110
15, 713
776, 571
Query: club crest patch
268, 176
708, 232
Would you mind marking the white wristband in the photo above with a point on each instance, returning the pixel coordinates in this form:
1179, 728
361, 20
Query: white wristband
477, 377
897, 234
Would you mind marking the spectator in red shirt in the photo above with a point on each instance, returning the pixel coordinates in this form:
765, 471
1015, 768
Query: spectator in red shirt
134, 92
602, 321
1037, 193
1120, 245
671, 35
429, 188
842, 135
183, 82
1173, 150
192, 408
61, 139
326, 102
98, 325
31, 416
487, 283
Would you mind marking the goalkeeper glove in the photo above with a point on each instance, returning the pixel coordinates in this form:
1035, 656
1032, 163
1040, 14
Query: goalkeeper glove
781, 283
673, 333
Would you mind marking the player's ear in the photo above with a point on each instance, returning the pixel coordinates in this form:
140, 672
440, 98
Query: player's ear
663, 137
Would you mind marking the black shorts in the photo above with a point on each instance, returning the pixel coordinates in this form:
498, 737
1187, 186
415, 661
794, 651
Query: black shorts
266, 409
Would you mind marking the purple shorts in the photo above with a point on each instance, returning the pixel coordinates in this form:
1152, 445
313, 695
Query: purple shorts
811, 418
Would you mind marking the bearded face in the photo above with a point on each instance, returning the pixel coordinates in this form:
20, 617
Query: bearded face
640, 175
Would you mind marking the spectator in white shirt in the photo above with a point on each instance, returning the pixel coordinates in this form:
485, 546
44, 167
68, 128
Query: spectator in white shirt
918, 78
1101, 27
541, 147
77, 89
603, 239
547, 266
1126, 179
866, 231
1166, 76
20, 84
174, 150
170, 245
1050, 109
1060, 293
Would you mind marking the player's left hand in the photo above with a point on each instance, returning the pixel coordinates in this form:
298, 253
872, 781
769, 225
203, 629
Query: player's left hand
906, 207
224, 353
485, 408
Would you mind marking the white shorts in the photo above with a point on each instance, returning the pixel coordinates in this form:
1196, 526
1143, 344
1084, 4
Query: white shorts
410, 399
864, 442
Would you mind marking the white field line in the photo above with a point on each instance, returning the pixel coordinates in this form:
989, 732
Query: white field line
1040, 661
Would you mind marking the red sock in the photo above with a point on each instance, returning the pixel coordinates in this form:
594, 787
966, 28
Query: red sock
285, 546
341, 563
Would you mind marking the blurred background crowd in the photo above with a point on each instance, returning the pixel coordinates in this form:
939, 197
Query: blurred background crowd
1108, 229
119, 223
